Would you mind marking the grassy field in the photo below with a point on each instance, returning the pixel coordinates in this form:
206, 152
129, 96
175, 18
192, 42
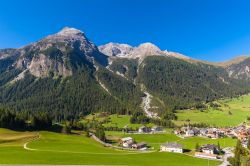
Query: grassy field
14, 138
122, 121
155, 140
239, 108
115, 120
54, 148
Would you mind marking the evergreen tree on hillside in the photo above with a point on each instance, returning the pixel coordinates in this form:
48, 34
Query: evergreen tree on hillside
218, 145
248, 143
197, 147
237, 154
41, 121
11, 120
100, 133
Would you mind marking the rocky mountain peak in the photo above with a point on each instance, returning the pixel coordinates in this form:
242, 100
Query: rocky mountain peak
67, 31
68, 35
149, 46
146, 49
116, 49
59, 54
127, 51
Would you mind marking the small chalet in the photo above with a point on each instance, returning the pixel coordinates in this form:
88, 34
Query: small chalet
144, 129
156, 129
141, 146
210, 149
127, 142
203, 132
189, 133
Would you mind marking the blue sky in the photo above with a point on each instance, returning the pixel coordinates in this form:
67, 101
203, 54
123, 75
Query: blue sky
213, 30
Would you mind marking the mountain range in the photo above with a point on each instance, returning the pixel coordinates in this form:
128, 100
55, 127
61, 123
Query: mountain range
68, 75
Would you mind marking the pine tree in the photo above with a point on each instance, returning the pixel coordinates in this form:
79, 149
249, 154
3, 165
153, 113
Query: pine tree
248, 143
197, 147
218, 145
100, 133
237, 154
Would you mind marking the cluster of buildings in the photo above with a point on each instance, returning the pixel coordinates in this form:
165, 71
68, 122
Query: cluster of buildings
129, 142
212, 133
242, 132
153, 130
147, 130
208, 151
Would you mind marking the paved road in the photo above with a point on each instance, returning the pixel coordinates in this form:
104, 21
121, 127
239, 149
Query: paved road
228, 153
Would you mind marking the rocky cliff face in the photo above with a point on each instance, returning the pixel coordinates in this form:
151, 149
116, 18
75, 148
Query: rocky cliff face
146, 49
127, 51
59, 54
5, 53
141, 52
240, 70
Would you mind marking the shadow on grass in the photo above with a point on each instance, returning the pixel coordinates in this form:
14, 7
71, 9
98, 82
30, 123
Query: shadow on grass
110, 141
186, 150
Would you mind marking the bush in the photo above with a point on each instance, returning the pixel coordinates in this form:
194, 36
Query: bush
66, 129
100, 133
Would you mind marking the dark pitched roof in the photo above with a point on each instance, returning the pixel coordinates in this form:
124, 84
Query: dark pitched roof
209, 146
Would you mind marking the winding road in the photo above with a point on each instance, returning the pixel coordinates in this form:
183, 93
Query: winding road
228, 153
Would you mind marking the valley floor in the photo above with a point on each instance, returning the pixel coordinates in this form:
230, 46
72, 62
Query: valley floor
45, 147
55, 148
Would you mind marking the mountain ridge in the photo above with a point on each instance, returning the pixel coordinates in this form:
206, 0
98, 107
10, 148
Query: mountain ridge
73, 32
69, 75
118, 48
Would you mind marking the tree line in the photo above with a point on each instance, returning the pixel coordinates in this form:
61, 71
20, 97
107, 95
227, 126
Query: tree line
22, 121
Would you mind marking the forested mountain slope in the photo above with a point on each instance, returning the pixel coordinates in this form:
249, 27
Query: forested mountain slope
67, 75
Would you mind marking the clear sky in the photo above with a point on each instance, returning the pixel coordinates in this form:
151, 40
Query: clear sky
213, 30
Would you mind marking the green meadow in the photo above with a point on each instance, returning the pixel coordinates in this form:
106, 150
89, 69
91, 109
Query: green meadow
121, 121
231, 113
155, 140
55, 148
115, 120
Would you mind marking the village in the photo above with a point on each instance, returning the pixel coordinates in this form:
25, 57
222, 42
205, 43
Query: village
208, 151
241, 132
